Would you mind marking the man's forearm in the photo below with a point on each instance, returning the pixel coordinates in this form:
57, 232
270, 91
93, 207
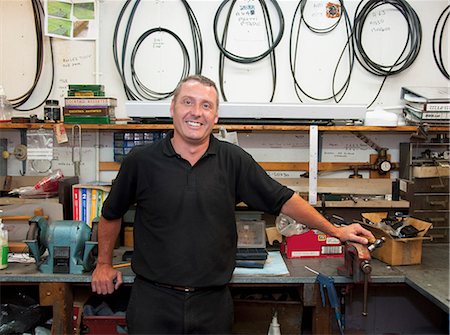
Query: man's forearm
108, 231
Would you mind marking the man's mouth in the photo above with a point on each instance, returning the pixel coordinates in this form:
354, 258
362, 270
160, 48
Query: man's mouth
193, 123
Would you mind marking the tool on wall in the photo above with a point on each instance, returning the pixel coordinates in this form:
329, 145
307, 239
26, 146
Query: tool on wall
76, 149
357, 264
383, 164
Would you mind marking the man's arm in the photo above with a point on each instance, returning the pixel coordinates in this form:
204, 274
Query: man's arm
106, 279
301, 211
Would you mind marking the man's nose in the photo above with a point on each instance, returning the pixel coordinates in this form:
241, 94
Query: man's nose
196, 109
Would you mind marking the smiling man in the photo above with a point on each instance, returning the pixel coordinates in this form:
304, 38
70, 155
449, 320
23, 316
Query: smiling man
185, 188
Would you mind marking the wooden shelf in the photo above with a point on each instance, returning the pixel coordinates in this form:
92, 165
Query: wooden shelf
230, 127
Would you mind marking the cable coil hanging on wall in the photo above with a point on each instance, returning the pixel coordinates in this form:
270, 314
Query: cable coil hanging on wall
38, 13
297, 21
437, 54
270, 51
138, 91
410, 49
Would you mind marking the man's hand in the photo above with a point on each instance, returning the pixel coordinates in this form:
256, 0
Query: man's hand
355, 233
106, 279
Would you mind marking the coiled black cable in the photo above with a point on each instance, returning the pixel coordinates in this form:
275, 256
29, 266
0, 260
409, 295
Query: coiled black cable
138, 91
437, 54
410, 49
270, 51
297, 21
38, 13
142, 89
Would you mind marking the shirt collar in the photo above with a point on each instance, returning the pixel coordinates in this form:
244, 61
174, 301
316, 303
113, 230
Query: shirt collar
168, 149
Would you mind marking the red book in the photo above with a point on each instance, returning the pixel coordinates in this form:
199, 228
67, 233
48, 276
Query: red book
76, 203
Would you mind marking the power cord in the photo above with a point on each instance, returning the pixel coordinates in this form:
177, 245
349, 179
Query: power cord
410, 50
38, 13
294, 47
136, 90
437, 54
270, 51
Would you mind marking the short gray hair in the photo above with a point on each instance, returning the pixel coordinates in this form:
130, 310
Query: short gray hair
202, 80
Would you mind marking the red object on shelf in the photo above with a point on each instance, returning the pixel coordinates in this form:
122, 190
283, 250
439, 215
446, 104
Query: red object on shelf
312, 244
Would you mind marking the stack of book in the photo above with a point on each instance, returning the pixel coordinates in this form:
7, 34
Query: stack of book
430, 105
88, 201
88, 104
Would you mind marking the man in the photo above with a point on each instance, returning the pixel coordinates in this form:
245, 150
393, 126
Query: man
185, 188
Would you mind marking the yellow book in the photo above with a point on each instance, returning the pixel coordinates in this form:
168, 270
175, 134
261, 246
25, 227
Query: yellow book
93, 204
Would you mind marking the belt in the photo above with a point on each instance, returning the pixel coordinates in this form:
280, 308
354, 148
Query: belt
178, 288
185, 289
172, 287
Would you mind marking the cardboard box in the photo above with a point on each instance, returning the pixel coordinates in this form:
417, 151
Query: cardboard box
312, 244
397, 251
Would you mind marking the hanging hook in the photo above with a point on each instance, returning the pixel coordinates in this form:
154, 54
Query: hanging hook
76, 149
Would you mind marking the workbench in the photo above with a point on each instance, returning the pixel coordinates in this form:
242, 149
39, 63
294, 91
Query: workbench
430, 279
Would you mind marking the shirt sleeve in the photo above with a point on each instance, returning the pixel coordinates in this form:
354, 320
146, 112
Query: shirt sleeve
260, 191
123, 190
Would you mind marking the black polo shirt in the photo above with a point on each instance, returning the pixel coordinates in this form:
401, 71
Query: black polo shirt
185, 229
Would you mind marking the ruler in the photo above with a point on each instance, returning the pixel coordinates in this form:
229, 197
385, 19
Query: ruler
313, 163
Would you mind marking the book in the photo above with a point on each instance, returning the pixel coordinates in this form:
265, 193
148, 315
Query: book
424, 115
76, 203
86, 87
429, 106
90, 102
94, 204
71, 93
87, 119
83, 204
85, 110
411, 118
426, 94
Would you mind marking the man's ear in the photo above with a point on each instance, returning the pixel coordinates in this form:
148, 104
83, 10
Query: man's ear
172, 107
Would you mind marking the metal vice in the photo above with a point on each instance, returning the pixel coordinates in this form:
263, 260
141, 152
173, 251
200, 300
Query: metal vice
357, 264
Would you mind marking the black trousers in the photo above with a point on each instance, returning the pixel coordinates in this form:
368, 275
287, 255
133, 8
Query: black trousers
153, 309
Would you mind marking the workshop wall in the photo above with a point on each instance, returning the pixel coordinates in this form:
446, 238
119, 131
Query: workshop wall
159, 65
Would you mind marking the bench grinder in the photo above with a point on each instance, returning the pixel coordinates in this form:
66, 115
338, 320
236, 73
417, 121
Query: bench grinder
69, 243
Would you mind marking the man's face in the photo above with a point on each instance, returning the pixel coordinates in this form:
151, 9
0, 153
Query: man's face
194, 112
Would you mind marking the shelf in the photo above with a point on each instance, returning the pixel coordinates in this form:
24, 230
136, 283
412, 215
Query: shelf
230, 127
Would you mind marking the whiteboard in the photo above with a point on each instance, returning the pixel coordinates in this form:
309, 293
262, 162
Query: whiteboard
158, 61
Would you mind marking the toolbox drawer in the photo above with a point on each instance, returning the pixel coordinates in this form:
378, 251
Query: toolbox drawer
439, 218
434, 201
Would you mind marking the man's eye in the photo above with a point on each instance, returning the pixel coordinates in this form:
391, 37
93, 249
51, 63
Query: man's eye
207, 106
187, 102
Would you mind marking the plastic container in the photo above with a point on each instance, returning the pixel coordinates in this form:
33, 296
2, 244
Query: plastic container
3, 246
6, 110
52, 111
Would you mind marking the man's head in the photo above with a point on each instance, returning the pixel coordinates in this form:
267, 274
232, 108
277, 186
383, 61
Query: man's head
194, 109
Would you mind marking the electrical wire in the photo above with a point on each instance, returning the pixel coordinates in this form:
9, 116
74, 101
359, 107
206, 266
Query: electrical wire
38, 13
136, 90
270, 51
294, 47
410, 49
437, 54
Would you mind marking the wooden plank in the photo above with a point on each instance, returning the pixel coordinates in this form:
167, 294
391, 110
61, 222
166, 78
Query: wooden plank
237, 127
341, 185
276, 166
59, 295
